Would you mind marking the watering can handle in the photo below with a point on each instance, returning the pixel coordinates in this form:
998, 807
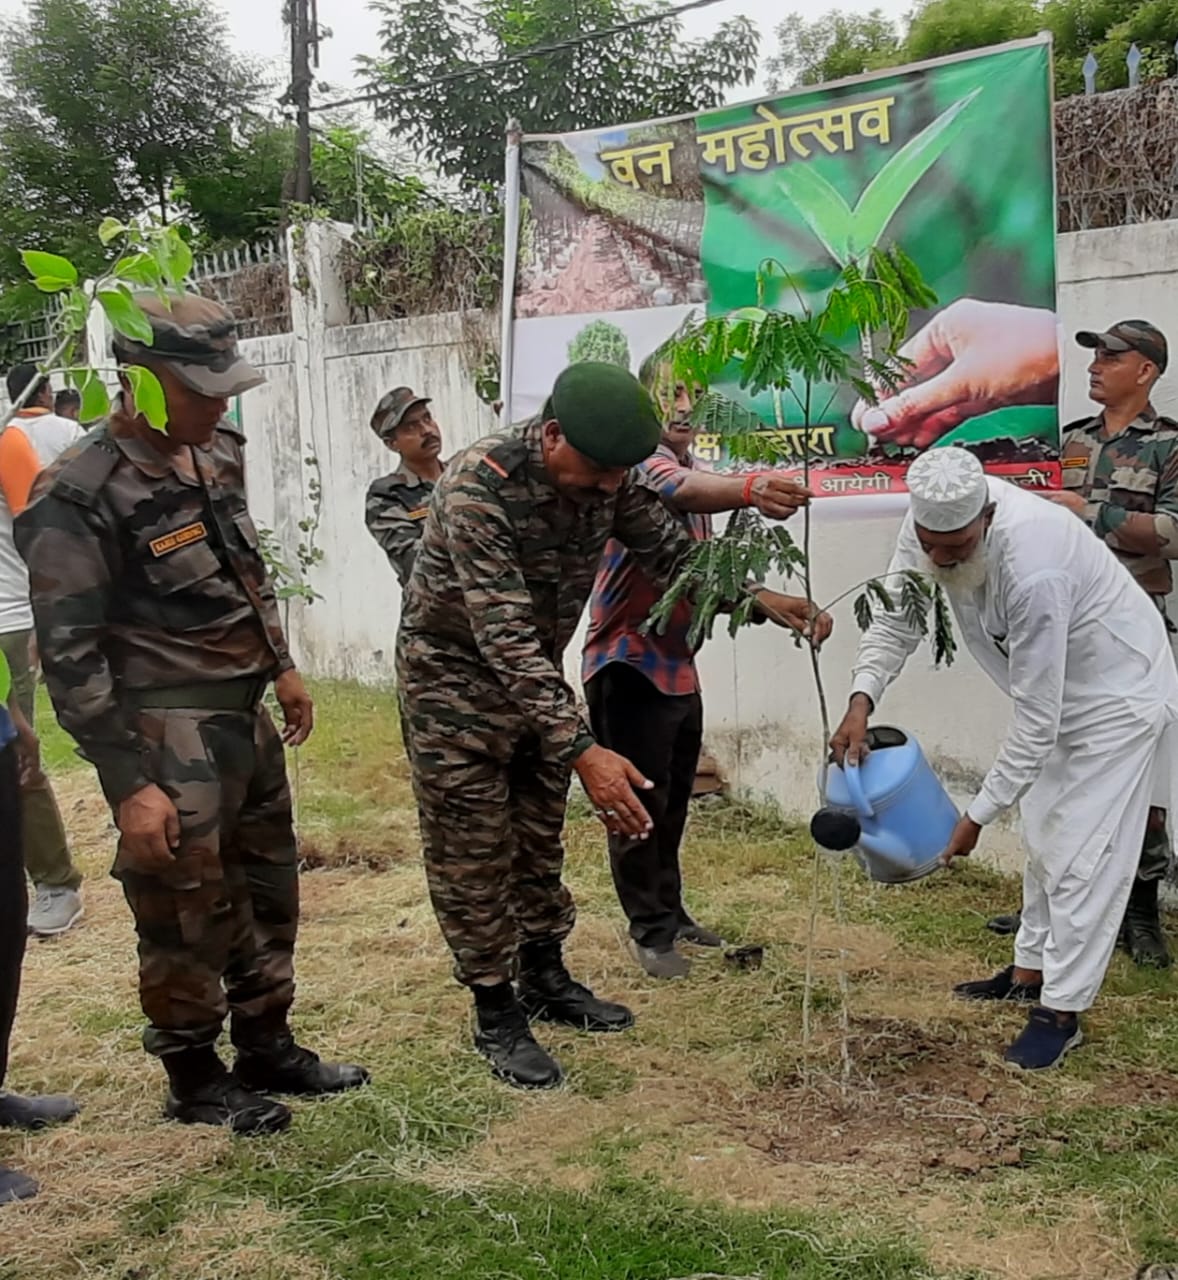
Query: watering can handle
855, 788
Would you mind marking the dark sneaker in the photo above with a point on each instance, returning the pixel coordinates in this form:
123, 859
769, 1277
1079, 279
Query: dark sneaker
1141, 931
286, 1067
661, 962
1043, 1042
697, 935
1001, 986
504, 1038
547, 992
35, 1113
1005, 924
15, 1185
223, 1101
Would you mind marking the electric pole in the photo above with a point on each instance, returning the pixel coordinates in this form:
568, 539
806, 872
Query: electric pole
304, 49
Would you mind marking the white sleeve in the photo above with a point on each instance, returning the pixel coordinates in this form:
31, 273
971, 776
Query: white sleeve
1037, 621
889, 641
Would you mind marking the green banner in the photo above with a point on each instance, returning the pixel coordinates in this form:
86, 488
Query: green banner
625, 232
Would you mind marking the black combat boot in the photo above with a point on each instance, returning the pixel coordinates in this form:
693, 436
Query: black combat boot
548, 992
1141, 933
15, 1185
35, 1113
281, 1066
504, 1038
203, 1092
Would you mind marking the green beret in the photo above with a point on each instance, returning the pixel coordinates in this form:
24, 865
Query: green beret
605, 413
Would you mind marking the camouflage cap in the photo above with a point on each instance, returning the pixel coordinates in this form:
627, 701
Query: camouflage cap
605, 413
196, 338
1130, 335
393, 407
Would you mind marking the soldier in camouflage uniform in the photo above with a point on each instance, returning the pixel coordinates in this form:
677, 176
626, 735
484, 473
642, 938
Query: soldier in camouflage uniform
507, 562
1120, 475
396, 505
159, 635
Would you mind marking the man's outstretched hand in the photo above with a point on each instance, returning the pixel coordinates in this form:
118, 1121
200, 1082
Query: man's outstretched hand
610, 781
971, 358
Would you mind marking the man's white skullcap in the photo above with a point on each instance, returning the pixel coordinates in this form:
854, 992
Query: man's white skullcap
948, 489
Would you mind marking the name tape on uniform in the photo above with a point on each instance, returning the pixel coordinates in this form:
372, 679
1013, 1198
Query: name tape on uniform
181, 538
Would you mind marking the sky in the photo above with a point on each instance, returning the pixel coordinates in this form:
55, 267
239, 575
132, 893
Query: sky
255, 26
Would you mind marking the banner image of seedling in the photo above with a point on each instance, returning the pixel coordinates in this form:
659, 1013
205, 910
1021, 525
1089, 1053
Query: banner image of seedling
950, 158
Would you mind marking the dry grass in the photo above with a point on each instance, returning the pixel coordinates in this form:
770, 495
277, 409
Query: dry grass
712, 1099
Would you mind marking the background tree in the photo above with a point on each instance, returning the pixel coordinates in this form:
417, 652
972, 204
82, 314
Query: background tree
840, 44
239, 197
103, 105
831, 47
457, 123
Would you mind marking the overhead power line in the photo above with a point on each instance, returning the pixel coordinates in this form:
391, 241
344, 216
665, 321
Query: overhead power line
464, 73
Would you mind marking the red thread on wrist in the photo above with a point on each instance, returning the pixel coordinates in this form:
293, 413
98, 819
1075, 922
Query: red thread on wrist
747, 492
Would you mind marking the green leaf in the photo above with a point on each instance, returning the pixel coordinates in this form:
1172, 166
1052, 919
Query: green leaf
51, 273
148, 395
126, 315
179, 259
110, 229
139, 268
95, 400
863, 615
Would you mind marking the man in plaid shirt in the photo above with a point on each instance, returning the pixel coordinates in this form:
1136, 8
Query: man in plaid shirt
643, 689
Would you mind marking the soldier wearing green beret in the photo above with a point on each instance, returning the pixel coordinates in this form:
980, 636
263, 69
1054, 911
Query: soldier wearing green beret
508, 557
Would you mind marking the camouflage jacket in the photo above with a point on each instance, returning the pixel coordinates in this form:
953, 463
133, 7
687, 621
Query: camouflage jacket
1131, 485
143, 577
395, 511
505, 567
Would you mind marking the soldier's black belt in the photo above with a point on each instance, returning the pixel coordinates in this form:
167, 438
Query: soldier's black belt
223, 695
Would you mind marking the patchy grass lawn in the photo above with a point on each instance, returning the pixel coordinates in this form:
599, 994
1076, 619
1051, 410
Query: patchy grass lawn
708, 1140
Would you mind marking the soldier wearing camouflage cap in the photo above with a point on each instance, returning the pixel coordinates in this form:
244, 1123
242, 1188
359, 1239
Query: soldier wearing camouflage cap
507, 561
159, 634
1120, 475
396, 505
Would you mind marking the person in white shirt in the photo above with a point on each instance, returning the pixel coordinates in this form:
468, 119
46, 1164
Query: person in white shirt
29, 442
1058, 624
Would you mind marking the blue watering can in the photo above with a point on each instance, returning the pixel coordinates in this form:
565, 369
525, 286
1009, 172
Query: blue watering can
891, 808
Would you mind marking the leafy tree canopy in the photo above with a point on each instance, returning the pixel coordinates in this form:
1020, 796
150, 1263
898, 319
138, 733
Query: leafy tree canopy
840, 44
458, 122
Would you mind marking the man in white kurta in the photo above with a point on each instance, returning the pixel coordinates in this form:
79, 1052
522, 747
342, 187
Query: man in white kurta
1060, 626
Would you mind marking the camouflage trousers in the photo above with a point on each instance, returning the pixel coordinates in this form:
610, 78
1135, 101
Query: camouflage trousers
217, 928
491, 827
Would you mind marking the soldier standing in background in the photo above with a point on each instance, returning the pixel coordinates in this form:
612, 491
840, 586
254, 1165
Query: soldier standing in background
1120, 475
508, 557
396, 506
159, 635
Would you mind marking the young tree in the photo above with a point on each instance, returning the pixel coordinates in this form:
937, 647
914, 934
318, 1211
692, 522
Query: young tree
455, 112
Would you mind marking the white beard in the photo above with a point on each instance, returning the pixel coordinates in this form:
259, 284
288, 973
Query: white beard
963, 578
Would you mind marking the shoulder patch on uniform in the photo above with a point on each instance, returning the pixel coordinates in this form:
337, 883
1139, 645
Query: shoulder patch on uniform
1078, 425
82, 474
418, 513
227, 428
1167, 424
499, 462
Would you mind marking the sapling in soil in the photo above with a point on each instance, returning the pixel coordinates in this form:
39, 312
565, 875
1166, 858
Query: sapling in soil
790, 354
